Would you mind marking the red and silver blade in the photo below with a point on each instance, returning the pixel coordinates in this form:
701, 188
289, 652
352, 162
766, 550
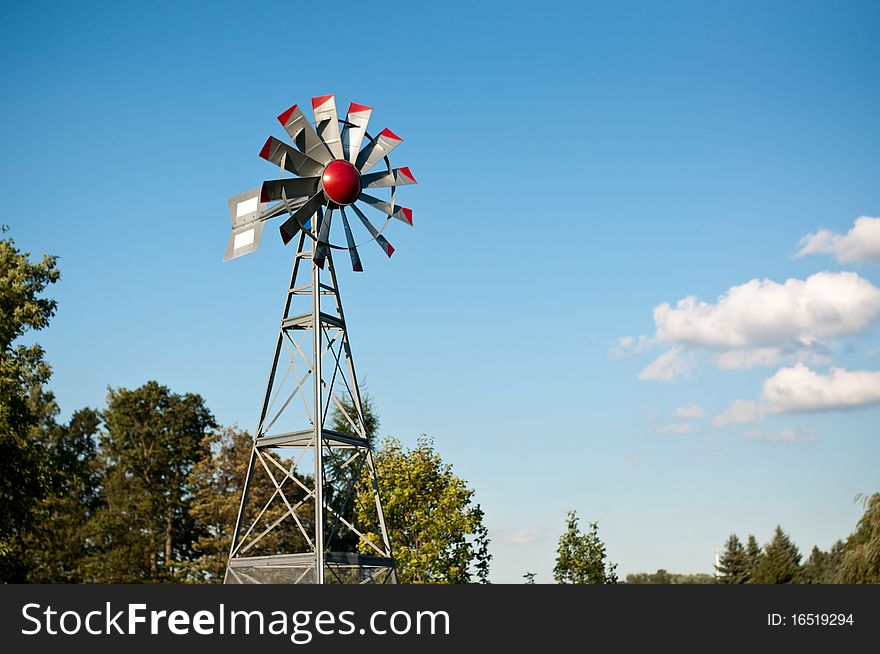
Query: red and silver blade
300, 217
387, 248
376, 149
304, 135
355, 127
397, 177
327, 123
322, 245
278, 152
294, 187
352, 248
401, 213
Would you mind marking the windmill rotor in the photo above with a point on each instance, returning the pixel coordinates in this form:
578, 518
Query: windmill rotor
332, 165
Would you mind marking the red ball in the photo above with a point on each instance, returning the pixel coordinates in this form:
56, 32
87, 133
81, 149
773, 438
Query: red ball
342, 182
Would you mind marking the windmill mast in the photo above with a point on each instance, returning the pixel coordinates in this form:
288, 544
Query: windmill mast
302, 516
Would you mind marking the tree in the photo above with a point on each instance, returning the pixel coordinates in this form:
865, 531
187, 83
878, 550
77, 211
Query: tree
530, 577
581, 557
216, 483
664, 577
437, 534
753, 556
860, 563
780, 563
24, 475
733, 568
57, 541
823, 567
152, 439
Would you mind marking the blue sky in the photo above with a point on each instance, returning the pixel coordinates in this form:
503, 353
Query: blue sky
578, 166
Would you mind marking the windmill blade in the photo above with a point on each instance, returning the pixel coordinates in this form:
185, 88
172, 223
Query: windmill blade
387, 248
355, 127
397, 177
352, 248
304, 135
244, 239
245, 207
294, 187
322, 244
401, 213
278, 152
327, 123
300, 217
376, 149
281, 208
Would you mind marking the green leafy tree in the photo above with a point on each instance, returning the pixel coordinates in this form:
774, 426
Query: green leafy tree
860, 563
143, 528
216, 483
436, 531
57, 542
581, 557
530, 577
780, 563
733, 568
25, 477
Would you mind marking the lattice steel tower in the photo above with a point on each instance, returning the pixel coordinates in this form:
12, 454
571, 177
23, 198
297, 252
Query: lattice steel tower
304, 516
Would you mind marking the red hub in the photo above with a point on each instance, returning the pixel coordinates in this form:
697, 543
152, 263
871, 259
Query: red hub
342, 182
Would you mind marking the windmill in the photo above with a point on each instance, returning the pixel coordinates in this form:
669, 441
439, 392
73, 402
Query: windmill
302, 518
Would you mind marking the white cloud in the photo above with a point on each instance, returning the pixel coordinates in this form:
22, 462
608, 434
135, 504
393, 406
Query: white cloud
740, 412
669, 365
518, 537
692, 411
860, 243
784, 435
679, 428
759, 323
763, 313
800, 390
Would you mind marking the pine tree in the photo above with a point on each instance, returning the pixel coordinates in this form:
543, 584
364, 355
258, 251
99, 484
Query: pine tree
734, 565
780, 563
753, 557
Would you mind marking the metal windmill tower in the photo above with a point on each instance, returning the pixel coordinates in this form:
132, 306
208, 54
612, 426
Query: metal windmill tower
301, 518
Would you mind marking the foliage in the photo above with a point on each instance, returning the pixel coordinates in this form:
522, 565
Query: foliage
436, 532
823, 567
57, 541
733, 568
753, 555
152, 440
780, 562
530, 577
24, 474
216, 483
664, 577
860, 564
581, 557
